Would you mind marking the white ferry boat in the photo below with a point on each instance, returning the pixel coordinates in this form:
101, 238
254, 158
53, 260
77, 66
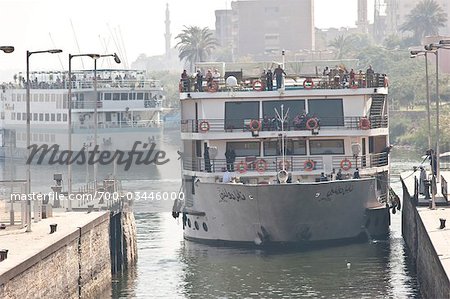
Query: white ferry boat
129, 105
305, 164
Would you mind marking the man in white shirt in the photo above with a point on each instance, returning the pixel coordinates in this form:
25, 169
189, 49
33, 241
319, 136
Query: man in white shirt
226, 177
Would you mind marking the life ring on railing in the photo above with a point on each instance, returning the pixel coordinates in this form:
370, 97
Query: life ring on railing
203, 126
308, 84
258, 85
309, 165
354, 85
261, 165
255, 125
286, 163
364, 123
241, 167
213, 87
346, 164
312, 123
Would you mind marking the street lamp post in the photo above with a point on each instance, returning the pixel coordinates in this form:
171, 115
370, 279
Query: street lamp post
117, 60
28, 188
425, 53
7, 50
69, 125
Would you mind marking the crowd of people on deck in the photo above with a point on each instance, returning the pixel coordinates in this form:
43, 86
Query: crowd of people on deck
337, 77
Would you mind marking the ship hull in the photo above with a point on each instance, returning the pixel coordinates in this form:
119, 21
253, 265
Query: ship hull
297, 213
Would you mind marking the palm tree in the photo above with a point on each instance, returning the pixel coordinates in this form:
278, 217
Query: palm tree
195, 44
425, 19
342, 45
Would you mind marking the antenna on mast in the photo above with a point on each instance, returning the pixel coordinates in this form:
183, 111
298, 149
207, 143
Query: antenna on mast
59, 58
282, 118
76, 41
125, 56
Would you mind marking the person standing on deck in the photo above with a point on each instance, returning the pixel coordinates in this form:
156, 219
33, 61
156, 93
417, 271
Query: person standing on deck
199, 77
230, 157
423, 178
278, 72
269, 76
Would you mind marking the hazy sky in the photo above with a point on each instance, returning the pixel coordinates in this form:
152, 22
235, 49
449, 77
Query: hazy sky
45, 24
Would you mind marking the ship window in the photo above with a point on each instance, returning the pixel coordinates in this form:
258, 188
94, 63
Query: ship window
41, 116
13, 116
58, 117
65, 117
107, 96
65, 101
24, 116
148, 96
293, 147
47, 98
53, 98
330, 111
140, 96
19, 116
47, 116
41, 137
295, 107
41, 97
124, 96
132, 96
53, 116
243, 149
196, 225
35, 116
47, 137
108, 116
13, 98
326, 147
116, 96
237, 114
52, 138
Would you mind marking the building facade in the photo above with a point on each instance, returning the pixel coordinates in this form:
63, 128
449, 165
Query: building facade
260, 28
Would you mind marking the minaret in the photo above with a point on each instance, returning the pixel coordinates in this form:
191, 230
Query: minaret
362, 21
167, 35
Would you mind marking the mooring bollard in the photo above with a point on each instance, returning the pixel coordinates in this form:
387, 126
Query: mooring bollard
442, 223
3, 254
2, 226
53, 228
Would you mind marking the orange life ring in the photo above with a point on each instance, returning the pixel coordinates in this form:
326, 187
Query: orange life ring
258, 85
214, 87
255, 125
308, 84
286, 163
241, 167
312, 123
346, 164
261, 165
354, 85
203, 126
309, 165
364, 123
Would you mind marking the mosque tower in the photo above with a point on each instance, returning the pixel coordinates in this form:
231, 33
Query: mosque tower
362, 21
167, 35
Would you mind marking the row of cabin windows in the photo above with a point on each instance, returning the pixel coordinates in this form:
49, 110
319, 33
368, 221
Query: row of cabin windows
62, 98
35, 137
293, 147
329, 111
59, 99
54, 117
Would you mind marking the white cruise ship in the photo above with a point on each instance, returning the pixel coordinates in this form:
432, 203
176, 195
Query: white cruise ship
306, 163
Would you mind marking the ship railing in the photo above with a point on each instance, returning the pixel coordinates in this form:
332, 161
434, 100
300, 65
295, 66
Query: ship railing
294, 82
89, 84
255, 164
271, 124
143, 123
350, 163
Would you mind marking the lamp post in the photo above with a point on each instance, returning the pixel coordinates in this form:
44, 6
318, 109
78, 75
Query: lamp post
7, 50
414, 54
69, 125
28, 189
117, 60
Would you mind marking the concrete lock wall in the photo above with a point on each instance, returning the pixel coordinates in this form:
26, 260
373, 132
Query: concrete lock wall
77, 266
433, 280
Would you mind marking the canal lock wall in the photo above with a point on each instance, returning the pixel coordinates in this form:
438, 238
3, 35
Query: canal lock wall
79, 265
432, 278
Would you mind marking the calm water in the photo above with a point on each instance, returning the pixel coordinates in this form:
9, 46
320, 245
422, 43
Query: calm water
169, 267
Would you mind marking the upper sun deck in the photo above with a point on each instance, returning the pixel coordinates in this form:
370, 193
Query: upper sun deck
106, 79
